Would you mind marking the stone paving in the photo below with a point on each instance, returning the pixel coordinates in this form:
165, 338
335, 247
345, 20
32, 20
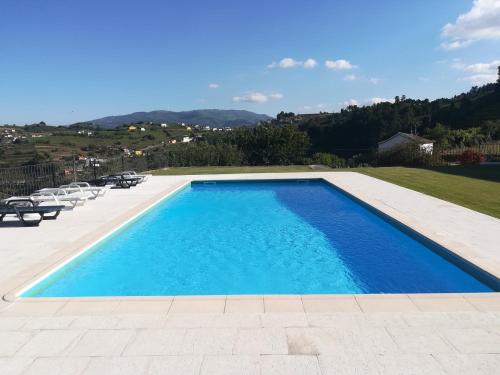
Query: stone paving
363, 334
247, 343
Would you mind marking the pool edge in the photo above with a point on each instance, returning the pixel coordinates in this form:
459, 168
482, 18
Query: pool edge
14, 294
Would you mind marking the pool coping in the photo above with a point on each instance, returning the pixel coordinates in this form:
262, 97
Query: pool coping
64, 256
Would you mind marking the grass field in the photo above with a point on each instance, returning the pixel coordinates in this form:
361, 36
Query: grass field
477, 188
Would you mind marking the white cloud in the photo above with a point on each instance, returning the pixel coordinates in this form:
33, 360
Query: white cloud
375, 81
480, 73
257, 97
377, 100
371, 101
483, 67
321, 107
310, 63
350, 102
350, 77
482, 22
339, 64
457, 44
288, 63
285, 63
480, 79
276, 96
213, 86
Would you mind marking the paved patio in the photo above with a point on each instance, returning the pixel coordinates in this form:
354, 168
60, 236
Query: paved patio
364, 334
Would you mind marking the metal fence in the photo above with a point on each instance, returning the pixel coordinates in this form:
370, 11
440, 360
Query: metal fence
415, 156
20, 181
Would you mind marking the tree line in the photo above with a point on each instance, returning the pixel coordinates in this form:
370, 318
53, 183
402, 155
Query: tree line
261, 145
349, 137
465, 119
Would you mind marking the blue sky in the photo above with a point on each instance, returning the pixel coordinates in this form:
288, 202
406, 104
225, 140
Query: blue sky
67, 61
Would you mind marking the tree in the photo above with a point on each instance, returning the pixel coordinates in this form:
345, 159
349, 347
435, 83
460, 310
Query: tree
440, 134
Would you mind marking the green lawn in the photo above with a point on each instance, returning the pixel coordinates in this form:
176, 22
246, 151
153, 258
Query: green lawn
477, 187
229, 170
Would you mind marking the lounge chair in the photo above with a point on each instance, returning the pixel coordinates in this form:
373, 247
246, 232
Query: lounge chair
86, 188
144, 177
60, 196
22, 207
117, 180
75, 191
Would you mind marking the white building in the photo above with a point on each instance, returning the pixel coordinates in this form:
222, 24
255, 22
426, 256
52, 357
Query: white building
143, 129
404, 139
186, 139
163, 125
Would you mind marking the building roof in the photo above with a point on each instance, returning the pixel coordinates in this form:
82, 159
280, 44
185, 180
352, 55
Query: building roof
412, 137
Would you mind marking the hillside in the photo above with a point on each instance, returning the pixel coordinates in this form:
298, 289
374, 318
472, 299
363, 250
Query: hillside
205, 117
358, 129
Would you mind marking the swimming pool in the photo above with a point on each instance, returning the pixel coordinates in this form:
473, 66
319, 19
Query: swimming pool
258, 237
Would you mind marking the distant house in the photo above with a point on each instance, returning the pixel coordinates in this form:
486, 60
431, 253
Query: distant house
132, 128
163, 125
85, 132
186, 139
143, 129
404, 139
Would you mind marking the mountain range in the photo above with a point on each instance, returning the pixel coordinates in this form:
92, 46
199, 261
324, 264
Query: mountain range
205, 117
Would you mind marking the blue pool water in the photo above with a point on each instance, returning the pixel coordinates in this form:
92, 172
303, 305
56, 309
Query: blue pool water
285, 237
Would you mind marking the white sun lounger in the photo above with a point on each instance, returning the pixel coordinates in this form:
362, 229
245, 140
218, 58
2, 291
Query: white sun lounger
72, 191
85, 187
69, 202
60, 196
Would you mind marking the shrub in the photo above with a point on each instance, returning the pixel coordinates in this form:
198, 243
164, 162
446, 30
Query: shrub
409, 156
329, 160
471, 157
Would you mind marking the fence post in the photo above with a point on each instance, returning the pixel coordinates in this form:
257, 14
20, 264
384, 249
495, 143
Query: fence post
123, 163
53, 173
94, 167
74, 167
